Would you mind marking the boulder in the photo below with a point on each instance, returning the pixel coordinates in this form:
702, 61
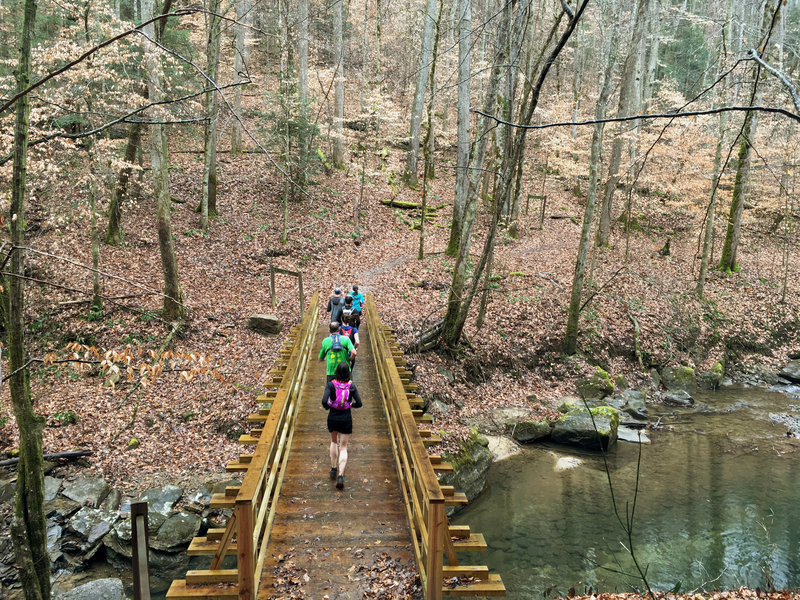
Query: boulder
176, 531
631, 406
91, 524
791, 371
680, 378
627, 434
470, 466
60, 509
567, 403
87, 491
51, 487
620, 383
161, 500
99, 589
267, 324
502, 447
678, 398
6, 490
596, 386
54, 541
530, 431
712, 379
576, 428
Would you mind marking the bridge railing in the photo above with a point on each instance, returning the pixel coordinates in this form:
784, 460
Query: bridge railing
425, 502
255, 501
425, 499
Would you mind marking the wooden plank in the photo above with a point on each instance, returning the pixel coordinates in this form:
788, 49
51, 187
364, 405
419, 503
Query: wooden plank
180, 590
444, 467
202, 546
474, 543
195, 577
459, 532
237, 467
221, 501
432, 440
257, 417
476, 571
248, 440
491, 587
457, 499
232, 490
215, 533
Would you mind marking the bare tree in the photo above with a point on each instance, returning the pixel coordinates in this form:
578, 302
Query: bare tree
157, 144
28, 526
208, 204
429, 21
338, 57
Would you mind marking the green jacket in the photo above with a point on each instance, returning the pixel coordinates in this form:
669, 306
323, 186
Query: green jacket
334, 358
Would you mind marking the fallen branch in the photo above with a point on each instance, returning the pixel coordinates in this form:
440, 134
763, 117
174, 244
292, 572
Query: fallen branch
70, 454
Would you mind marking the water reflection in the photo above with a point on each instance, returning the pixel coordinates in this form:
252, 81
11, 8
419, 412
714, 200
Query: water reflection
715, 508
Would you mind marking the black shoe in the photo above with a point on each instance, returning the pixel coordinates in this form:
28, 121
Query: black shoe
333, 472
340, 482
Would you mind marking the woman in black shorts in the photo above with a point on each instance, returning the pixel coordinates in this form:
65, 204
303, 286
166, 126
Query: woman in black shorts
340, 421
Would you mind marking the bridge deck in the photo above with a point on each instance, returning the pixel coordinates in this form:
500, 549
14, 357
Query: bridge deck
333, 535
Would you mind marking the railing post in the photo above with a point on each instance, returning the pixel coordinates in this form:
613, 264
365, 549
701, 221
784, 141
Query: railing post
141, 567
302, 298
437, 521
272, 285
244, 541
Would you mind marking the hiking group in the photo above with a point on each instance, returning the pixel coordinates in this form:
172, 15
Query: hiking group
339, 352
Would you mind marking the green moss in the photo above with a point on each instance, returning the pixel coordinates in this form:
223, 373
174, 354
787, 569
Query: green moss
466, 454
611, 413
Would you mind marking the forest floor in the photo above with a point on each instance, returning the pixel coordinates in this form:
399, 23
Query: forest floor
187, 430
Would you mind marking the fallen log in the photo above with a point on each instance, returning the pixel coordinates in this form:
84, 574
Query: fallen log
409, 205
69, 455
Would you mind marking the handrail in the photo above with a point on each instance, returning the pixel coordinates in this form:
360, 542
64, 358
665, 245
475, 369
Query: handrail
424, 500
256, 501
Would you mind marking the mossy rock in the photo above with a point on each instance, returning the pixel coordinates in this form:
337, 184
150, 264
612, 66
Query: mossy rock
530, 431
620, 383
712, 378
594, 429
470, 466
679, 378
596, 386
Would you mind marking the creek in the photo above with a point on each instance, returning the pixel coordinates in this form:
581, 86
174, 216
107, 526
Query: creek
716, 508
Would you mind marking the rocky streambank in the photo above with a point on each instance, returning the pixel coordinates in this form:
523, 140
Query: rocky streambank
607, 410
88, 524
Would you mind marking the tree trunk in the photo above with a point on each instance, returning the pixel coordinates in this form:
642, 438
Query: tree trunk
364, 48
28, 526
157, 144
429, 21
97, 292
727, 262
338, 117
238, 68
574, 311
627, 100
114, 232
708, 238
378, 18
459, 234
462, 143
458, 302
208, 205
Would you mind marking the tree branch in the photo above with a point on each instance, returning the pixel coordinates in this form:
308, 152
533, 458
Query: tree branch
669, 115
754, 55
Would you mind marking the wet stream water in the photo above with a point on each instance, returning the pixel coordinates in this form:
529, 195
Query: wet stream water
718, 504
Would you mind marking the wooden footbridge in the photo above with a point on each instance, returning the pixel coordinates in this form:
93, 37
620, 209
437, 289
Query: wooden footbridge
292, 534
